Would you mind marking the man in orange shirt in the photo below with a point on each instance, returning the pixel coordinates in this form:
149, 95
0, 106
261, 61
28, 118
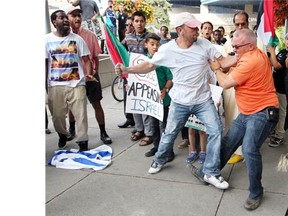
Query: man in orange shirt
258, 105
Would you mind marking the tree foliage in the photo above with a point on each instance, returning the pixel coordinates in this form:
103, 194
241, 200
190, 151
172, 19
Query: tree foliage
160, 12
156, 11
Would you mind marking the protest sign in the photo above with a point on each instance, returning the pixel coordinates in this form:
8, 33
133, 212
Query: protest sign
143, 94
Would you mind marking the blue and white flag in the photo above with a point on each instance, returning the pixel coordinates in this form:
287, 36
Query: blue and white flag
98, 158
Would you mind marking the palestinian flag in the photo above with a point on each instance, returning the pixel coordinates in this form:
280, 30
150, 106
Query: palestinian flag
265, 25
116, 49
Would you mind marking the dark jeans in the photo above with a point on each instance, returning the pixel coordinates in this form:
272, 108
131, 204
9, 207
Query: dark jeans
250, 130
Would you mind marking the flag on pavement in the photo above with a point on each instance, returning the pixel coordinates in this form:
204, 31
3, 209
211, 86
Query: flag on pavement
98, 158
265, 23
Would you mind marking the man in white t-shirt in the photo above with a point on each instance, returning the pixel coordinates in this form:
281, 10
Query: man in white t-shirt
187, 57
68, 67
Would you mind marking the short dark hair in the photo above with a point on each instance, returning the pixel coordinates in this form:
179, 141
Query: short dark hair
152, 36
221, 27
138, 13
241, 13
54, 15
216, 30
164, 27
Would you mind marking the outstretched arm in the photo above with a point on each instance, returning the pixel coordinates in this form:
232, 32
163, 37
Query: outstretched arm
142, 68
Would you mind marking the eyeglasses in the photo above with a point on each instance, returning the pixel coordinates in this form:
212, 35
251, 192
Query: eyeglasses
128, 24
238, 46
242, 24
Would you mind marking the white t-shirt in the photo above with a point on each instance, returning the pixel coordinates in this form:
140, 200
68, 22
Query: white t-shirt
189, 68
65, 66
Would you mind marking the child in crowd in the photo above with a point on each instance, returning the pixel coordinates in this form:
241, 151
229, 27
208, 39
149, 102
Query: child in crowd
192, 146
164, 76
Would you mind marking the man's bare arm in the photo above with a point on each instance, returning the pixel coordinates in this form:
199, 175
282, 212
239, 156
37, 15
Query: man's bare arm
142, 68
227, 62
226, 81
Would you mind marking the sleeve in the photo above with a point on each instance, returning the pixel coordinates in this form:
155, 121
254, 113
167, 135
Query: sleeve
282, 57
168, 73
213, 53
83, 48
161, 57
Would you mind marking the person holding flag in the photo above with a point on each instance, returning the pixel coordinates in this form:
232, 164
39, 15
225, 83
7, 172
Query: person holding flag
190, 93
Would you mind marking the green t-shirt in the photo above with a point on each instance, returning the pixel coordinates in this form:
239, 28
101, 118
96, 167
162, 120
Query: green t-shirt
163, 75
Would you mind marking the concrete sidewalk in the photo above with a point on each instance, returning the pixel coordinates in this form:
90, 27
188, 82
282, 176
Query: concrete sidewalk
126, 189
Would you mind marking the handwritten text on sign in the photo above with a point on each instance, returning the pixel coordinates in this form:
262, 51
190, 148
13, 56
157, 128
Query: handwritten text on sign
143, 95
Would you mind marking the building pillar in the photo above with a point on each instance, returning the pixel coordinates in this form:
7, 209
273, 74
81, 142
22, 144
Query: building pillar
204, 9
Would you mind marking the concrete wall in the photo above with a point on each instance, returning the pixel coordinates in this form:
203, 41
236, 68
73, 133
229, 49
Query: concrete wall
106, 70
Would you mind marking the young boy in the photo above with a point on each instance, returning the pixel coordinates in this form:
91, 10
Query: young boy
164, 76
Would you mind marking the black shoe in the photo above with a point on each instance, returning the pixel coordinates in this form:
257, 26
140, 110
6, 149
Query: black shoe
71, 135
126, 124
83, 146
62, 141
171, 157
151, 152
251, 204
105, 138
197, 174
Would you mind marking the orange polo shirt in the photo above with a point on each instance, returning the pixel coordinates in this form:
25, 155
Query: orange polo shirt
255, 90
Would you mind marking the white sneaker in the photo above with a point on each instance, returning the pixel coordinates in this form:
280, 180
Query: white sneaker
155, 168
218, 182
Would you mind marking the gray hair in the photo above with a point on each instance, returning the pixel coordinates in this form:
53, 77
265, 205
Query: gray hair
248, 34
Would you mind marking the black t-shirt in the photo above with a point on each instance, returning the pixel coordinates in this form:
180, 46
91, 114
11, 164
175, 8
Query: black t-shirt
280, 74
122, 20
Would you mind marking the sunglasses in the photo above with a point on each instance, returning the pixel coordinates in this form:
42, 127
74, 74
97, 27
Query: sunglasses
128, 24
238, 46
242, 24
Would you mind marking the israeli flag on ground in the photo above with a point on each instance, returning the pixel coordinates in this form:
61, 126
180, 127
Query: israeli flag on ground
98, 158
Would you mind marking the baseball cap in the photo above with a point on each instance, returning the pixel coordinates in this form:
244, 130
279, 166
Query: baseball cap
186, 18
72, 8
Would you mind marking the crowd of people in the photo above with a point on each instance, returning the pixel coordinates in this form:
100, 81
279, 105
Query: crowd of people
254, 98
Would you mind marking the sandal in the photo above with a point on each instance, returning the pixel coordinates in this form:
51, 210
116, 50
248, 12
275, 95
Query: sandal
146, 141
136, 136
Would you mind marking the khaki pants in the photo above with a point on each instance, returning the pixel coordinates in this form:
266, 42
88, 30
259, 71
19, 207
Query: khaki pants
60, 98
231, 112
279, 129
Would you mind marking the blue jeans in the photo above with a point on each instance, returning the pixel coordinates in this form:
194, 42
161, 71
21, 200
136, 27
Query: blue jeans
250, 130
177, 117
